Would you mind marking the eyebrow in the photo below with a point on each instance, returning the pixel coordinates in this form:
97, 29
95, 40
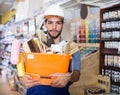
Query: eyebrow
57, 22
48, 20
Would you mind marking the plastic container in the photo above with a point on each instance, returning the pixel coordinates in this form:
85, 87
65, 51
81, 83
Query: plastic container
42, 65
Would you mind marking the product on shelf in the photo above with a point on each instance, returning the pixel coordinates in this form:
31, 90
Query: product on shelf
110, 45
15, 50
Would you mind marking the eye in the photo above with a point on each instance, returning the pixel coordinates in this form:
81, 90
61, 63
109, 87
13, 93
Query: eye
50, 22
54, 22
59, 22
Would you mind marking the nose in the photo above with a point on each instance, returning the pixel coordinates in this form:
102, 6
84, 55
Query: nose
54, 26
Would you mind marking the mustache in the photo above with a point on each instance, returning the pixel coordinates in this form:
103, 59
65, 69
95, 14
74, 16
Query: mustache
53, 30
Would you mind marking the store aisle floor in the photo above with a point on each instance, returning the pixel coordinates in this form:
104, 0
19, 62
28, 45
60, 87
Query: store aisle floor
5, 88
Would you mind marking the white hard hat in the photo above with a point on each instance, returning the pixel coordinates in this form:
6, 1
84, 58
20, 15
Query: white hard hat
55, 10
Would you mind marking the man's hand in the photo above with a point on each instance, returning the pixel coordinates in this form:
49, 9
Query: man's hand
61, 80
28, 82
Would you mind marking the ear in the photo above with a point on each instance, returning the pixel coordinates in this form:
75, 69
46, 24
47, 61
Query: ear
44, 24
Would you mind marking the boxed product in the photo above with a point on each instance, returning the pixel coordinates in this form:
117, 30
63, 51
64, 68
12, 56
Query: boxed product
42, 65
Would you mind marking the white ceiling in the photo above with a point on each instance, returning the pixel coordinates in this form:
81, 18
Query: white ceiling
7, 4
97, 3
100, 3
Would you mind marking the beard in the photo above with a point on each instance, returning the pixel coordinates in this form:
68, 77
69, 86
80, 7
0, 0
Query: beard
54, 37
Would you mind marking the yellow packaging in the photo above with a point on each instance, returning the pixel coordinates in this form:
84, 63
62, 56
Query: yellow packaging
20, 66
36, 41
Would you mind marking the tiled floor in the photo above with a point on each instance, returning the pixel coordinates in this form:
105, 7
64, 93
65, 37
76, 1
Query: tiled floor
5, 88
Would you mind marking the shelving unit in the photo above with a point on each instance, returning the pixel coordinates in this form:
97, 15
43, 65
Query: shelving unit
88, 45
110, 45
10, 33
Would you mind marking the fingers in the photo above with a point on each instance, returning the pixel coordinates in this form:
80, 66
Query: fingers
31, 83
28, 82
61, 80
56, 84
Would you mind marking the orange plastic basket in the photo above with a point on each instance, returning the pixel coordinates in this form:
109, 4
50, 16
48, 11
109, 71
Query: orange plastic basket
42, 64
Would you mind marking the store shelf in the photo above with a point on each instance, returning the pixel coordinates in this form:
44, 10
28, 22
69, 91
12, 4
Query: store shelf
88, 44
112, 68
110, 39
109, 45
111, 51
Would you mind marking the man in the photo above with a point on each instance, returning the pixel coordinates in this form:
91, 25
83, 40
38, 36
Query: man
54, 20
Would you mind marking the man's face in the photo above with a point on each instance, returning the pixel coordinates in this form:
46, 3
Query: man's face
54, 26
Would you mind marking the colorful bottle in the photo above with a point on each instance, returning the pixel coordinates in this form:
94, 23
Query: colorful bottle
15, 50
20, 66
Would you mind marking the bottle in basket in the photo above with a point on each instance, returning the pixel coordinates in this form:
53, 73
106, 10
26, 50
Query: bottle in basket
20, 66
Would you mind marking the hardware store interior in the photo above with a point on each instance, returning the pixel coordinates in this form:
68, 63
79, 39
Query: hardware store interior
94, 29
